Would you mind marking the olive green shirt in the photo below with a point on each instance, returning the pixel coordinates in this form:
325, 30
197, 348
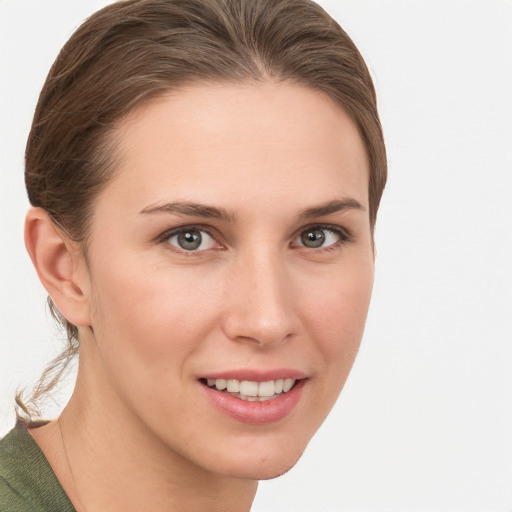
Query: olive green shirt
27, 482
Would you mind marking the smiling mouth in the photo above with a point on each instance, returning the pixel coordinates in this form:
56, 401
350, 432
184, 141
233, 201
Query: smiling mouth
251, 391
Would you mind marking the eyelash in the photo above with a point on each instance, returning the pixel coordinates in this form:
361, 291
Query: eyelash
343, 234
164, 238
344, 237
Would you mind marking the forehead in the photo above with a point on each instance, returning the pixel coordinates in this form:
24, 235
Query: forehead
264, 140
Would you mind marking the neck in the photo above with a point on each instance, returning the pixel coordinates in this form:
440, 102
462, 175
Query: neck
106, 461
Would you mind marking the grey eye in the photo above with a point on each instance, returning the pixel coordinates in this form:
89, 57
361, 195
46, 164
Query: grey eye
317, 237
189, 240
313, 238
192, 239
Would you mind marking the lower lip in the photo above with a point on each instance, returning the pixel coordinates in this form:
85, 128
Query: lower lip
256, 413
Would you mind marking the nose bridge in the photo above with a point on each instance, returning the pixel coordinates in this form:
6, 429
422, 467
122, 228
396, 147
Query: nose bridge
260, 305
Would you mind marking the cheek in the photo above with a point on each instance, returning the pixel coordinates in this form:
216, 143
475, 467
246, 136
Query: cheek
336, 318
150, 313
148, 323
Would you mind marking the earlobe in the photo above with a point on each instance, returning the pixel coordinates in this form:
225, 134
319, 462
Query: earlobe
59, 264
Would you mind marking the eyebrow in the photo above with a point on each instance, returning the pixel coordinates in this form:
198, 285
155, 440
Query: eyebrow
334, 206
193, 209
213, 212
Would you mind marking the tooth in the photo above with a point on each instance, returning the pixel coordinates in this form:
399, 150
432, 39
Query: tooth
220, 384
233, 385
287, 385
266, 388
251, 389
264, 398
248, 387
251, 398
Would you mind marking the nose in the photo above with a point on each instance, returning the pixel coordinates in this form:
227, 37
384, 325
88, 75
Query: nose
260, 302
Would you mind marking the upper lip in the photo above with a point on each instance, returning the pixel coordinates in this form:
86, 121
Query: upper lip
256, 375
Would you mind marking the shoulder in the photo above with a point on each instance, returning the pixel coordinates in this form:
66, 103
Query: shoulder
11, 500
27, 482
11, 496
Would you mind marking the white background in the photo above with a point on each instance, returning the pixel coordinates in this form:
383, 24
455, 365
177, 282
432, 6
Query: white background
425, 420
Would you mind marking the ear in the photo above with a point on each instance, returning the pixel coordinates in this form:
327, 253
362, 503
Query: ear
60, 266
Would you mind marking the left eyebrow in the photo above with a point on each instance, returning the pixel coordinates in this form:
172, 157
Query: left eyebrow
334, 206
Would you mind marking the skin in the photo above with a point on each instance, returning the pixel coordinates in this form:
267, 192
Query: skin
139, 433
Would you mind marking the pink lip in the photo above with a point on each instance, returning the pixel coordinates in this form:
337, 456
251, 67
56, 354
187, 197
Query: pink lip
256, 413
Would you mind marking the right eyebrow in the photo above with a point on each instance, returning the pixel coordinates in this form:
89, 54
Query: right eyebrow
192, 209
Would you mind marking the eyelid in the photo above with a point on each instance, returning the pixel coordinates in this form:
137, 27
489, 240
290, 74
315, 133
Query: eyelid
344, 234
164, 237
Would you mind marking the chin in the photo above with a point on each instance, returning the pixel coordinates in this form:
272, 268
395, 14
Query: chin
260, 466
274, 474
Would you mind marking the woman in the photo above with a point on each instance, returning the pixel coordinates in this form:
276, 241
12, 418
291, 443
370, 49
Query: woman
205, 178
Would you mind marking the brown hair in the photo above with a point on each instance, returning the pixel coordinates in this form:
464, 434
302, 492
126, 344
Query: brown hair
134, 50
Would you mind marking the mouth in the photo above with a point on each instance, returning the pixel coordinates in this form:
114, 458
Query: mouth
252, 391
257, 402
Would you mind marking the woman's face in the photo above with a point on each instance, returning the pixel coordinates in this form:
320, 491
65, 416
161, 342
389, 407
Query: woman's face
232, 248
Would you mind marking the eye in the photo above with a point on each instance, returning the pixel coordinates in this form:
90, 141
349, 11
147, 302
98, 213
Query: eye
319, 237
191, 239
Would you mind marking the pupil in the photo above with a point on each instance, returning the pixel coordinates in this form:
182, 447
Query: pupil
314, 238
189, 240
